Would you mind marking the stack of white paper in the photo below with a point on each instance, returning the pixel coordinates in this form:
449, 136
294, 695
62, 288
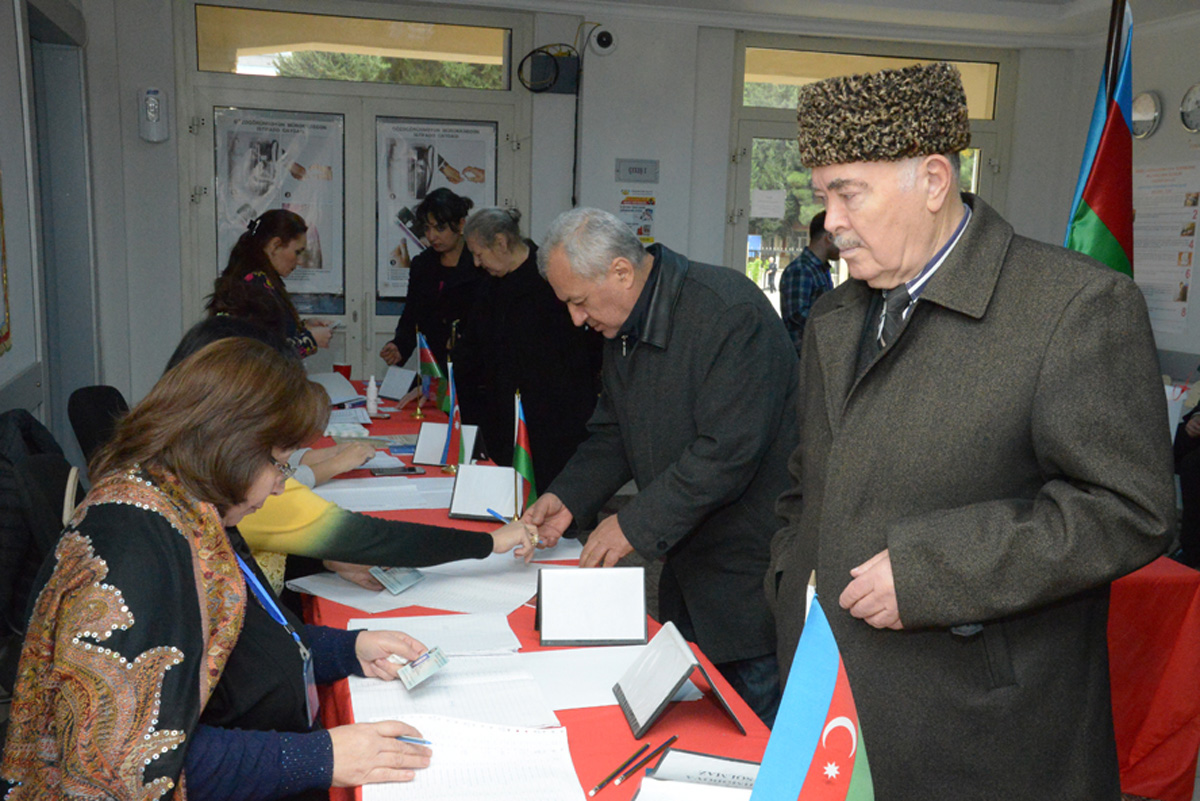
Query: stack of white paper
340, 390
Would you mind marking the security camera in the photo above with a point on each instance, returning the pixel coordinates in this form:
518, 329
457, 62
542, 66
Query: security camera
604, 42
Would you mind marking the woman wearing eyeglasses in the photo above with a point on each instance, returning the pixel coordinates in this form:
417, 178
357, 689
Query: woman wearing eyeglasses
156, 658
442, 279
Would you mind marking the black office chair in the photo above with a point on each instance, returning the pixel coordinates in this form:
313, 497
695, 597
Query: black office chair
94, 412
36, 496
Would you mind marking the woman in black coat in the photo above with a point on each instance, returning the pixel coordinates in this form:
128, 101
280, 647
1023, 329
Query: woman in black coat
520, 337
442, 280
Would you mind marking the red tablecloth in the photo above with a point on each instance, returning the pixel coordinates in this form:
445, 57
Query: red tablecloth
1154, 658
599, 737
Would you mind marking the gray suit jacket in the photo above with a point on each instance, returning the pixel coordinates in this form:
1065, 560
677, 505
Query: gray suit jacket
1010, 450
701, 412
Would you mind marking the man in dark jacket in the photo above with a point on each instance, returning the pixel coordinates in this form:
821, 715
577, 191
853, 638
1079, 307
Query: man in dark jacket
984, 451
698, 406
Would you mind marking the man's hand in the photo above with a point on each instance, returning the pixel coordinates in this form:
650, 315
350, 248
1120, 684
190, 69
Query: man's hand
606, 545
551, 518
871, 595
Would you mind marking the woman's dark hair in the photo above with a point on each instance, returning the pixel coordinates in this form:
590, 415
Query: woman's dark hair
214, 329
445, 207
233, 295
213, 419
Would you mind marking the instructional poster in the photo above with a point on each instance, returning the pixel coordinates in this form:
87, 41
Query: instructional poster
290, 160
413, 158
1166, 203
636, 210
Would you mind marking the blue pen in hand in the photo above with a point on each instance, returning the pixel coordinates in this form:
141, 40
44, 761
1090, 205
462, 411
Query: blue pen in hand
413, 740
498, 516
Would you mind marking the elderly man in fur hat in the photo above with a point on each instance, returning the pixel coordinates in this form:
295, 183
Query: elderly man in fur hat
983, 450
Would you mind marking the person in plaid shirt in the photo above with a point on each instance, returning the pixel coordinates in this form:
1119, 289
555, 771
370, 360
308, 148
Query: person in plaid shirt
806, 279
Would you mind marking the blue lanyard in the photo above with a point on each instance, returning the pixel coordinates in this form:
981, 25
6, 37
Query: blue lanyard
267, 600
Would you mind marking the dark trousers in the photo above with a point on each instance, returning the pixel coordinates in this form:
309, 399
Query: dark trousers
1187, 465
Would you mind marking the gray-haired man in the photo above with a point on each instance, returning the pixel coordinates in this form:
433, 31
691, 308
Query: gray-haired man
698, 406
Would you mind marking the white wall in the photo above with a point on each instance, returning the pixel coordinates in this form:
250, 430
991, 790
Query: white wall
21, 368
1055, 90
136, 188
1164, 61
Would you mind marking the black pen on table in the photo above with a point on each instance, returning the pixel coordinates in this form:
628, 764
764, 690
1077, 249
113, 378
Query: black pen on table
646, 760
620, 768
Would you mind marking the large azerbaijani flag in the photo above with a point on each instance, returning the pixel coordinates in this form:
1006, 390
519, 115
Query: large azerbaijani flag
1101, 221
522, 461
816, 751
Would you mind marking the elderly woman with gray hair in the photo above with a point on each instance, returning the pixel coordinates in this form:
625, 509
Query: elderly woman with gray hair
520, 337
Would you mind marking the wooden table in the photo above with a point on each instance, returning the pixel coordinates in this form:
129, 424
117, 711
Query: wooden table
599, 737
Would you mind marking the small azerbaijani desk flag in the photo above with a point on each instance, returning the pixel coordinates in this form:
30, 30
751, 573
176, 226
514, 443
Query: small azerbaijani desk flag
522, 461
817, 727
453, 452
427, 363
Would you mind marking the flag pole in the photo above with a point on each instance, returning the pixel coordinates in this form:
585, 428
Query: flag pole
516, 475
418, 414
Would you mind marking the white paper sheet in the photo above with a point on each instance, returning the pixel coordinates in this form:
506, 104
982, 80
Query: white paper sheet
435, 491
340, 390
584, 677
678, 765
333, 587
480, 487
657, 790
499, 583
456, 635
477, 762
372, 494
594, 607
345, 416
396, 382
487, 689
431, 441
382, 459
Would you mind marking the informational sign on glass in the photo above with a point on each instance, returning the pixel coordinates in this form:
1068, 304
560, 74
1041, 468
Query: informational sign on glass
1166, 204
413, 158
290, 160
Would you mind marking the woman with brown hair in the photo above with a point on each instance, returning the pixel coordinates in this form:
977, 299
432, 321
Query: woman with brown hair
252, 284
155, 654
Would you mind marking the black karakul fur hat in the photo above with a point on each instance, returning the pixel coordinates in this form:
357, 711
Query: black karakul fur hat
883, 116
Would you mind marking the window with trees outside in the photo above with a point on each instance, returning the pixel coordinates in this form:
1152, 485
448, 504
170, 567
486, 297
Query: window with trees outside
288, 45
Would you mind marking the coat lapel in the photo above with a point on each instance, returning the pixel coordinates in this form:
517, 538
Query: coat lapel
836, 334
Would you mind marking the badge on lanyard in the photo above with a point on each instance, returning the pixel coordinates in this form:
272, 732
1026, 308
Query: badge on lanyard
267, 600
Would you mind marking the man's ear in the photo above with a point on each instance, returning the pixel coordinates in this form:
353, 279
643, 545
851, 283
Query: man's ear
940, 180
622, 268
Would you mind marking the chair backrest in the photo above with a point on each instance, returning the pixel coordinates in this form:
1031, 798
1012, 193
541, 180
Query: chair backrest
94, 412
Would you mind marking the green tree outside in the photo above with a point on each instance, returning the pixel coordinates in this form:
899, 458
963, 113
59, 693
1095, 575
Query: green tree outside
378, 69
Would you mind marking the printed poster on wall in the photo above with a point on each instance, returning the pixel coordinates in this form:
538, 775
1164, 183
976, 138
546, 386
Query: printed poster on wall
290, 160
636, 210
5, 330
413, 158
1166, 203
